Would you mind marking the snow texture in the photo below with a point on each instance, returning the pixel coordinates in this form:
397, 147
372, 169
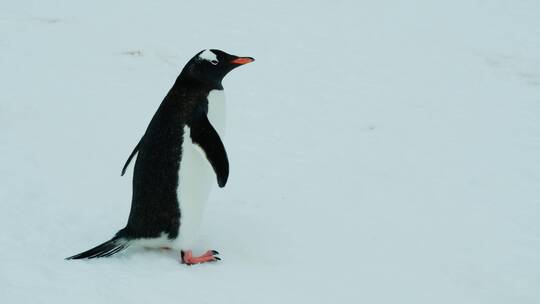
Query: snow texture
380, 151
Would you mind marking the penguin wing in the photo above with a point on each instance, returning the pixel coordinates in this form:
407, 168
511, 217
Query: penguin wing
135, 150
205, 136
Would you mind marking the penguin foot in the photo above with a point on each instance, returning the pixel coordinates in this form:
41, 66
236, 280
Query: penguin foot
189, 259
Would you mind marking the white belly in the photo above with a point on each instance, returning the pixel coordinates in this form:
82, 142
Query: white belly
196, 176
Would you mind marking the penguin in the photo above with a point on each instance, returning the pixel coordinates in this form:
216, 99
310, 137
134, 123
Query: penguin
178, 159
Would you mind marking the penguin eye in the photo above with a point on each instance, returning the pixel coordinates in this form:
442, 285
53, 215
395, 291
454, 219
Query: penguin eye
214, 62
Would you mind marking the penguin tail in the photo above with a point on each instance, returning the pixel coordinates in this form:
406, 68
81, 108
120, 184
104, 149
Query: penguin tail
106, 249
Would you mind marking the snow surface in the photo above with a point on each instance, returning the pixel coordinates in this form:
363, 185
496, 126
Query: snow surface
380, 151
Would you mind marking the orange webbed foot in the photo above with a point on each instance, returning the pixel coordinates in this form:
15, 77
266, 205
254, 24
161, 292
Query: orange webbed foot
189, 259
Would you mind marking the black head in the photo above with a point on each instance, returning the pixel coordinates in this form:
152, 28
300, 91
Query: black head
210, 66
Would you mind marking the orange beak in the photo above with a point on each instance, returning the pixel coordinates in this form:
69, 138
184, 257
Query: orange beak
242, 60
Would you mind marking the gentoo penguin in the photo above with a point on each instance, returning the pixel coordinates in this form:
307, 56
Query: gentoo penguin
177, 159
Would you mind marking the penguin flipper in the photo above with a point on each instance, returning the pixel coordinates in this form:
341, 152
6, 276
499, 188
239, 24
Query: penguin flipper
205, 136
106, 249
135, 150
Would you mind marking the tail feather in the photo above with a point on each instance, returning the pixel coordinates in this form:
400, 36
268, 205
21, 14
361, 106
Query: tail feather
106, 249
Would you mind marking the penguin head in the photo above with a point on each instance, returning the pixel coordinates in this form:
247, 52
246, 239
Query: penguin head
211, 66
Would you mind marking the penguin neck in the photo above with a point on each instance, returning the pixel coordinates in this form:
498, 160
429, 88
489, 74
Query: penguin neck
186, 80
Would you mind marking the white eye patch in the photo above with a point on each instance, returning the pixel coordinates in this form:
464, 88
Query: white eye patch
209, 56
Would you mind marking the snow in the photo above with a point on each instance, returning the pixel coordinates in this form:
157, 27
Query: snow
380, 151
